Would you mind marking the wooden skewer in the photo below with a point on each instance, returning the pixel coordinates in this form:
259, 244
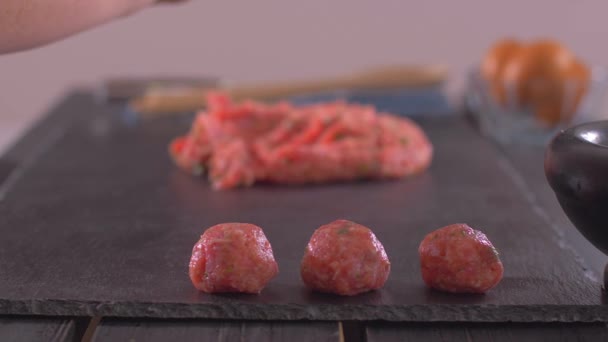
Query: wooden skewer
163, 101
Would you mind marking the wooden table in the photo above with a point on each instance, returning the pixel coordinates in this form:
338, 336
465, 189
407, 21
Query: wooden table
528, 176
36, 329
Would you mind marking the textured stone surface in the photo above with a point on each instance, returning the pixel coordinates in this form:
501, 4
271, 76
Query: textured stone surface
96, 221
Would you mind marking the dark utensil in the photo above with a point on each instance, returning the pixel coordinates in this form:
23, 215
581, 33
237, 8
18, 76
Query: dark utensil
576, 166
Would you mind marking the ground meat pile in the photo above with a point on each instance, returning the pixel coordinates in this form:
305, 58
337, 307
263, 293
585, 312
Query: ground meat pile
239, 144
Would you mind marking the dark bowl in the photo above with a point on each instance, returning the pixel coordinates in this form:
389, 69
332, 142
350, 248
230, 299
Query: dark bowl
576, 166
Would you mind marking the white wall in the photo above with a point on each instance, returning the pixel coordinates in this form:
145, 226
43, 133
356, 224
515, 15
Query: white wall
281, 39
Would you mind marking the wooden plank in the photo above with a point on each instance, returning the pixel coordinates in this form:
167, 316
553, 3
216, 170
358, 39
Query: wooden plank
498, 332
36, 329
111, 330
114, 222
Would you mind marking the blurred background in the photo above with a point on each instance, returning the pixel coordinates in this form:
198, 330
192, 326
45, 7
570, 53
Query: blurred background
241, 41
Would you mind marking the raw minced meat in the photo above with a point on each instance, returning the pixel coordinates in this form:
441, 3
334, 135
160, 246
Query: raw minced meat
239, 144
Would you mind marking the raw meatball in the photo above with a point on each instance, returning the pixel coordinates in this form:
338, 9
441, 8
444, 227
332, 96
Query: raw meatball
232, 257
459, 259
344, 258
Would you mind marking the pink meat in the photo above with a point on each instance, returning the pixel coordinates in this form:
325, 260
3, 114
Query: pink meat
344, 258
459, 259
241, 144
232, 257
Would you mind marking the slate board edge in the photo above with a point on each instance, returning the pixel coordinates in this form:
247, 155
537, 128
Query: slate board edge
390, 313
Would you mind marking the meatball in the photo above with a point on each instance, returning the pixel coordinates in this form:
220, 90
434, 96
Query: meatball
344, 258
459, 259
232, 257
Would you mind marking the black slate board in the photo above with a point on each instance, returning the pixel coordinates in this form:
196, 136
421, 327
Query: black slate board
111, 330
95, 220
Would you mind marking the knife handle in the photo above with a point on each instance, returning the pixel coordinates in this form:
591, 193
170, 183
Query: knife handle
155, 102
163, 102
373, 79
